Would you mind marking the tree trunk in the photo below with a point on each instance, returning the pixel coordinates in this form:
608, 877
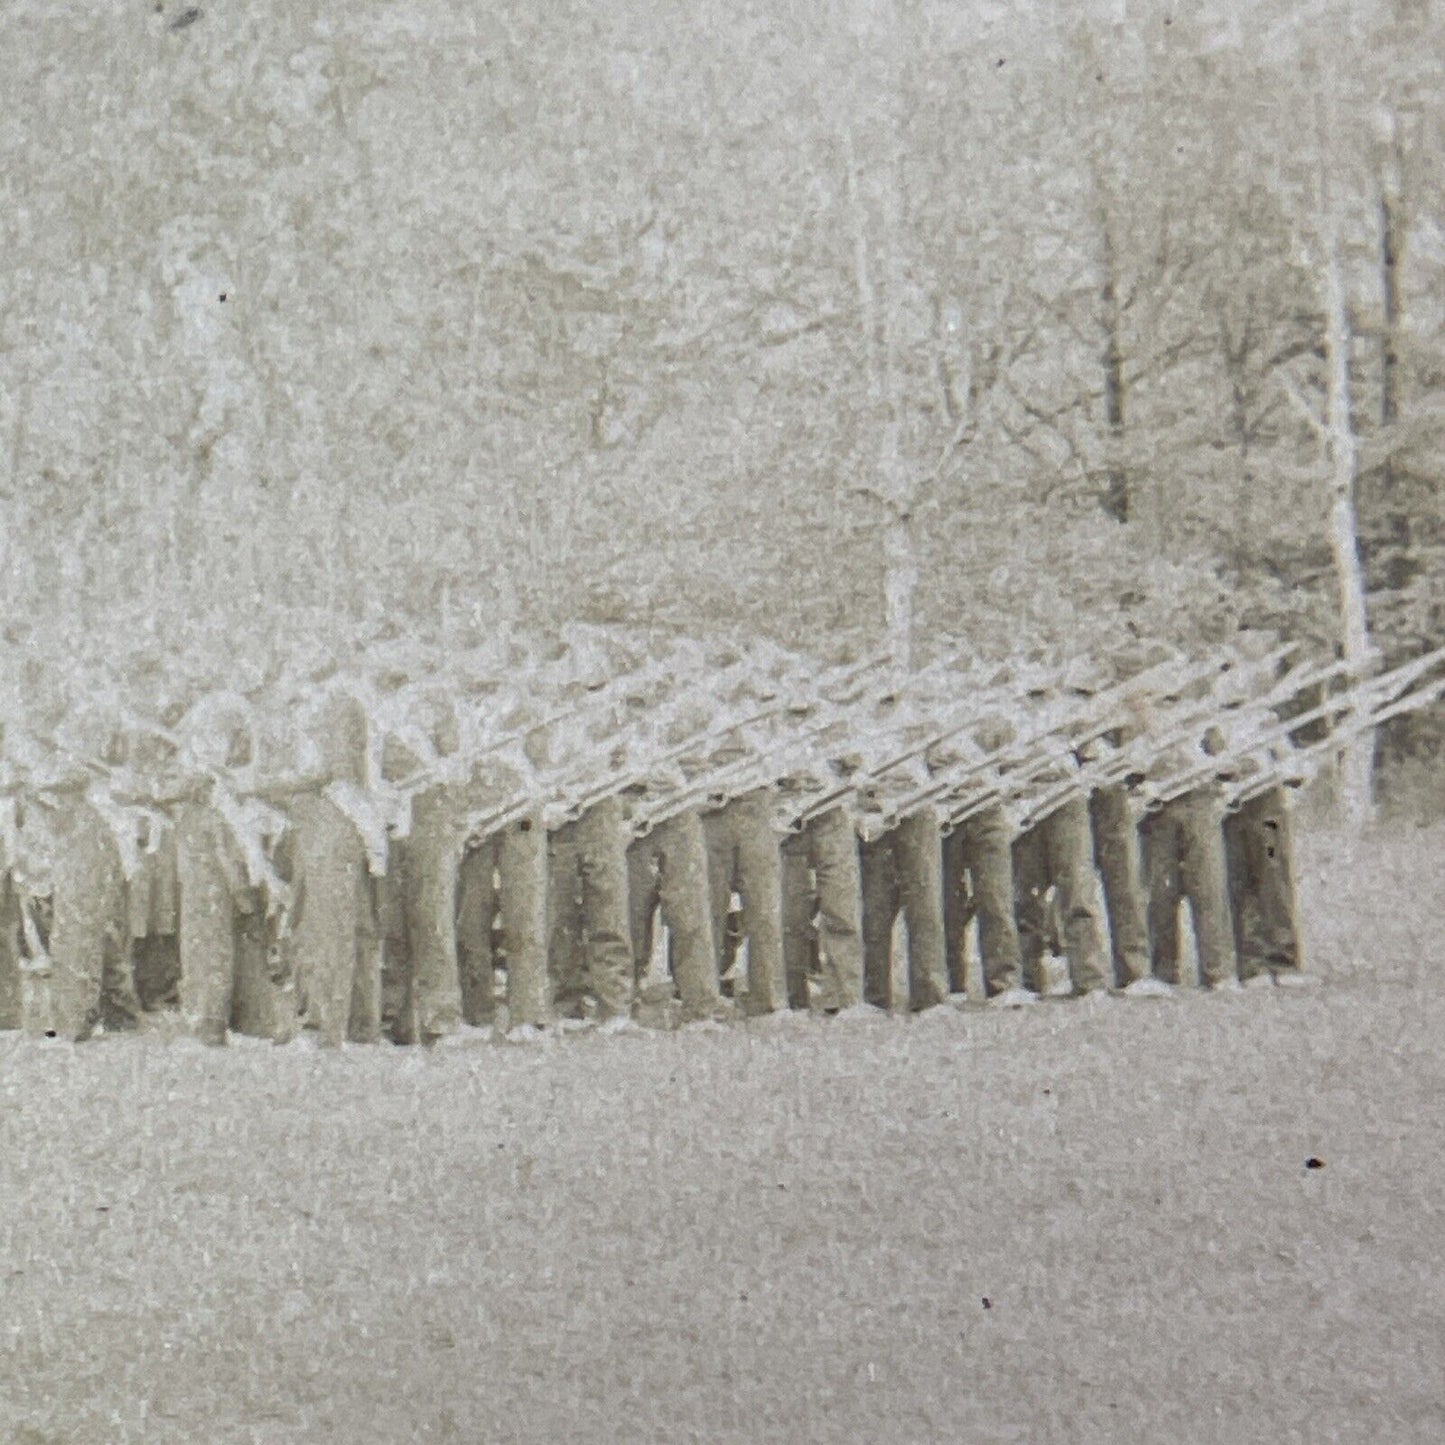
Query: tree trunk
900, 579
1116, 489
1392, 237
1356, 764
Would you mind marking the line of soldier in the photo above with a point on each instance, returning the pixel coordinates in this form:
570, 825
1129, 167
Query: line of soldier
361, 859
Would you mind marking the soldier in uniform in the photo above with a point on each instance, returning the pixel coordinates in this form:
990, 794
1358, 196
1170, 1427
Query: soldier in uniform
978, 876
501, 907
1056, 851
745, 861
589, 920
331, 847
90, 982
668, 875
1258, 843
901, 862
228, 893
822, 896
1183, 847
1114, 818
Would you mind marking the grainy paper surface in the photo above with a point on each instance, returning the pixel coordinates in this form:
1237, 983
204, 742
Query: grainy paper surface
591, 585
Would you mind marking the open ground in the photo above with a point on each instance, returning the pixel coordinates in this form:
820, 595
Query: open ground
1070, 1223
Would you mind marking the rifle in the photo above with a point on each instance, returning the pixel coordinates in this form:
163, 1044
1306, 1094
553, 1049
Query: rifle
1255, 786
960, 718
1388, 686
1120, 766
638, 776
498, 818
705, 790
1098, 714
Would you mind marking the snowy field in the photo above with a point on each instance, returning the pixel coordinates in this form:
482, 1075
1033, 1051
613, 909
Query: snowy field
1076, 1223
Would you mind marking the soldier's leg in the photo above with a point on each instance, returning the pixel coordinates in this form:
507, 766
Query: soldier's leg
957, 911
1031, 884
918, 860
833, 850
722, 870
684, 890
799, 904
644, 862
252, 1006
90, 933
398, 994
1068, 840
331, 864
879, 894
1117, 853
603, 866
1206, 885
985, 848
566, 957
1162, 842
476, 907
207, 926
1238, 872
11, 1013
760, 880
1265, 823
432, 875
522, 864
364, 1022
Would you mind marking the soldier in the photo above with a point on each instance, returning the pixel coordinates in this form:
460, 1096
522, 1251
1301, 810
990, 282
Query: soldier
1258, 843
743, 839
668, 873
978, 872
229, 892
1114, 816
1056, 851
589, 923
501, 912
422, 997
1184, 856
901, 862
332, 848
90, 986
822, 892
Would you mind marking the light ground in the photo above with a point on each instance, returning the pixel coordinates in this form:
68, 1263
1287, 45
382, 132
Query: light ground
767, 1234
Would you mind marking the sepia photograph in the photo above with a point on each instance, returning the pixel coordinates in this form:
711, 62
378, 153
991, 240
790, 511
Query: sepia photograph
721, 721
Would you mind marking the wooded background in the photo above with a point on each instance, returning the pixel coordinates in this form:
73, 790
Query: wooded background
962, 322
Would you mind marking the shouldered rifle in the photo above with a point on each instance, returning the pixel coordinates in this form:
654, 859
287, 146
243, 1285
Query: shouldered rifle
1126, 763
830, 706
1296, 769
1370, 699
759, 771
495, 819
1020, 761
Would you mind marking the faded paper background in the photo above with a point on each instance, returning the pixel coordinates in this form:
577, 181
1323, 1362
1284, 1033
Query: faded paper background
940, 326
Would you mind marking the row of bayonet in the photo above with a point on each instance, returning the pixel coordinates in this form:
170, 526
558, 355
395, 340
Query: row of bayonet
793, 733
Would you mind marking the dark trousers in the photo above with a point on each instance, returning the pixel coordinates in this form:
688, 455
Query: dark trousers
668, 869
335, 936
501, 915
90, 979
979, 883
1259, 860
744, 856
903, 871
1184, 858
1120, 861
822, 910
589, 929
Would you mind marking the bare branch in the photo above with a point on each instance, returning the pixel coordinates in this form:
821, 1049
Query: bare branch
1301, 405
